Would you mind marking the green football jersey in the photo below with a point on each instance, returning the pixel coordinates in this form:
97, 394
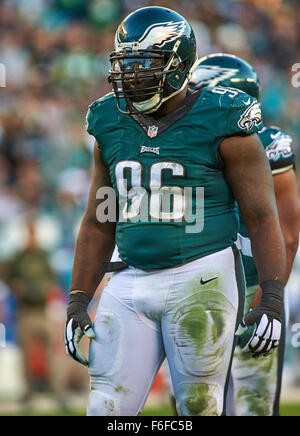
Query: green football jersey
278, 147
160, 168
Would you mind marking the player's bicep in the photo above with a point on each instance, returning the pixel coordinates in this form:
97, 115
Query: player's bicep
100, 179
248, 173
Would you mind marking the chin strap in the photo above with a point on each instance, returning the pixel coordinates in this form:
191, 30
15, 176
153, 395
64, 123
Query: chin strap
148, 106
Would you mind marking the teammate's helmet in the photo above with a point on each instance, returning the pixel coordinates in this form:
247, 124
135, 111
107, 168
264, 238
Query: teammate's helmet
226, 70
155, 52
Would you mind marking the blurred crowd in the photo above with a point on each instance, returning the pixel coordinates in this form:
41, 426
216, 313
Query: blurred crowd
56, 57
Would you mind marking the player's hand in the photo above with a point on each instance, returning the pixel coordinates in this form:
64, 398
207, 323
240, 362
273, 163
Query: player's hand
266, 320
78, 324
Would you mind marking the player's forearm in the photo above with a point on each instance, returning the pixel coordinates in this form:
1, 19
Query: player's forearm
291, 246
288, 205
268, 248
95, 245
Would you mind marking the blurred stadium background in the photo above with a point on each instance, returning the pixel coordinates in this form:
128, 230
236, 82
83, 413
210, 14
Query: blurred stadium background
56, 57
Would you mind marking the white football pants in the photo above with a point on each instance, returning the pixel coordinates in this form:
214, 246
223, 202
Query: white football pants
188, 314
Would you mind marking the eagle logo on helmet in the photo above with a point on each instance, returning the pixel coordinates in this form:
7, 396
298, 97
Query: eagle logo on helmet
251, 117
161, 33
158, 34
211, 75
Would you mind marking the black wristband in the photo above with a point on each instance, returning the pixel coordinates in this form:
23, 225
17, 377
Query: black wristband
78, 301
272, 297
272, 285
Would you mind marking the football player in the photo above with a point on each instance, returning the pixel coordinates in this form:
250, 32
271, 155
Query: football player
178, 290
257, 383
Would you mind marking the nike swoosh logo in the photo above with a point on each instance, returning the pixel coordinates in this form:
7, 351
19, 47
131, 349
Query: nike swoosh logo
248, 102
204, 282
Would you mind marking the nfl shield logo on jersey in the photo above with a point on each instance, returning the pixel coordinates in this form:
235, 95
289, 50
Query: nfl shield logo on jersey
152, 131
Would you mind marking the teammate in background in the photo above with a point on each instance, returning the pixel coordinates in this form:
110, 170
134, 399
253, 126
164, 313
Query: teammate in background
179, 292
257, 383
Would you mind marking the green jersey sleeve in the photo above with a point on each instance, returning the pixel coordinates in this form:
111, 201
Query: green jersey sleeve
92, 116
244, 116
238, 112
99, 115
89, 122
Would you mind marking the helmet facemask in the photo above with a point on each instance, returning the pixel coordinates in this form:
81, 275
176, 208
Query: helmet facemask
141, 77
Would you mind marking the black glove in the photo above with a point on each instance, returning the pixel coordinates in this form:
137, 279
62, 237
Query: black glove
266, 317
78, 324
